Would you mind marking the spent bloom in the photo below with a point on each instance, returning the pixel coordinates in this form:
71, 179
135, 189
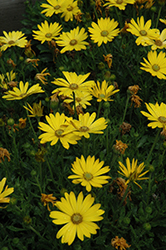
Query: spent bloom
104, 31
46, 198
89, 172
36, 111
120, 146
132, 171
77, 215
18, 94
14, 38
157, 115
119, 243
6, 192
41, 76
121, 4
54, 7
22, 123
4, 153
155, 65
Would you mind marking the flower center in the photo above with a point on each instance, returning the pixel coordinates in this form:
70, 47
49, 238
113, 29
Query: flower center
76, 218
88, 176
83, 129
78, 99
155, 67
104, 33
57, 7
48, 35
59, 132
101, 96
73, 86
143, 32
70, 8
158, 43
119, 1
162, 119
11, 42
73, 42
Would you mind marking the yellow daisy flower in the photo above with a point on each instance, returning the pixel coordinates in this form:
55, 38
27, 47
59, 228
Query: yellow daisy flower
156, 65
163, 21
121, 4
157, 114
81, 98
77, 215
132, 171
69, 10
89, 172
14, 38
36, 111
75, 83
54, 7
86, 125
4, 79
6, 192
160, 41
18, 94
142, 30
103, 92
104, 31
57, 129
47, 31
73, 40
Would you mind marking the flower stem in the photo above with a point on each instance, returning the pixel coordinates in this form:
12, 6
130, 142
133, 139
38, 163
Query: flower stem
99, 108
84, 146
124, 114
125, 195
154, 143
29, 120
158, 16
75, 111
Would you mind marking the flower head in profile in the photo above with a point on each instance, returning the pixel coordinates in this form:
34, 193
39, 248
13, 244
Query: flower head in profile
103, 91
46, 198
143, 31
77, 215
73, 40
54, 7
156, 65
86, 125
75, 83
104, 31
6, 79
41, 76
132, 171
82, 99
157, 115
160, 41
163, 21
6, 192
18, 94
57, 129
89, 172
121, 4
14, 38
36, 111
69, 10
47, 31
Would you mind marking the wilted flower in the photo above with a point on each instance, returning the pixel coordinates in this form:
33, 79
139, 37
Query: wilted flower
125, 128
22, 123
120, 146
46, 198
119, 243
41, 76
108, 59
4, 153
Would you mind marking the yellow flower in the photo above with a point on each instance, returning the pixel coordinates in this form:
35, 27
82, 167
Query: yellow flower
163, 21
81, 98
78, 216
157, 114
89, 172
57, 129
86, 125
5, 79
142, 30
6, 192
18, 94
160, 41
132, 171
121, 4
73, 40
47, 31
54, 7
156, 65
119, 243
36, 111
104, 31
14, 38
46, 198
41, 76
103, 92
75, 83
4, 152
70, 9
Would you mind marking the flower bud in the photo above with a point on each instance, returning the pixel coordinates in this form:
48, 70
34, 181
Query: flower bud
10, 121
148, 210
112, 77
151, 168
147, 226
126, 220
101, 65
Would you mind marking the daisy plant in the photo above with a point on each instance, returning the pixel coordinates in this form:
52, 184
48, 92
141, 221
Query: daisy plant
14, 38
78, 215
6, 192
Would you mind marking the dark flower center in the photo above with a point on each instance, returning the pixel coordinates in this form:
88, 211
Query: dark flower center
83, 129
88, 176
48, 35
57, 7
162, 119
73, 42
156, 67
158, 43
11, 42
70, 8
73, 86
59, 132
143, 32
104, 33
119, 1
76, 218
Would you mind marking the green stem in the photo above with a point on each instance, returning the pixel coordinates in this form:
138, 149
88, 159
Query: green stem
119, 17
107, 148
29, 120
84, 146
149, 188
40, 166
99, 108
154, 143
38, 184
49, 167
124, 114
75, 111
36, 232
125, 195
158, 16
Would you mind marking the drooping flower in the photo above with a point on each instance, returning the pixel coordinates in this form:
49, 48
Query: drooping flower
132, 171
73, 40
75, 83
47, 31
157, 115
156, 65
57, 129
89, 172
41, 76
18, 94
104, 31
81, 98
142, 31
6, 192
119, 243
54, 7
160, 41
86, 125
4, 153
36, 111
14, 38
69, 10
46, 198
121, 4
78, 216
103, 91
